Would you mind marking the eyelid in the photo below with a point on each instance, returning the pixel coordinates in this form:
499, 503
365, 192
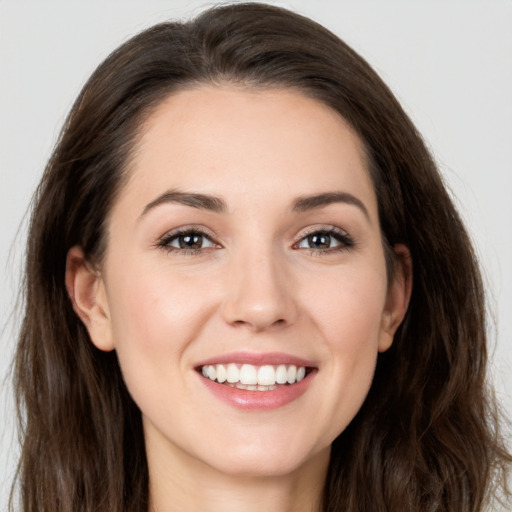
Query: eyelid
163, 241
321, 228
346, 240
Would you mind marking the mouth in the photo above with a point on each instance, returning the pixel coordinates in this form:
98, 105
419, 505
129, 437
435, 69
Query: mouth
251, 377
256, 382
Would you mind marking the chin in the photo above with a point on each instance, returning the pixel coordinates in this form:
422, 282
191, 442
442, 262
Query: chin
258, 461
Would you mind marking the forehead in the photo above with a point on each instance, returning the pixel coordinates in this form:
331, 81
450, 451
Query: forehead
247, 142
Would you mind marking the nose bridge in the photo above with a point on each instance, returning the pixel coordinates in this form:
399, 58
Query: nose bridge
259, 291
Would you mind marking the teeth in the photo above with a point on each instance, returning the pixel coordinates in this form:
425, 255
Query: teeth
291, 375
222, 373
233, 373
248, 375
254, 378
266, 375
212, 372
281, 374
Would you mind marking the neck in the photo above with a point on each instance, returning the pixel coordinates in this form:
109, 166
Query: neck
181, 483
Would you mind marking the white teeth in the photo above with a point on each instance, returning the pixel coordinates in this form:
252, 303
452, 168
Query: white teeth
254, 378
266, 375
281, 374
233, 373
212, 372
248, 374
292, 374
222, 374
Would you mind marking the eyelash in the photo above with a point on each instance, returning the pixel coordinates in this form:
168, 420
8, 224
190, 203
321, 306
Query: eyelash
346, 242
167, 239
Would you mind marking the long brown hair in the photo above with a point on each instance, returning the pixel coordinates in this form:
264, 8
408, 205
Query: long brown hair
426, 438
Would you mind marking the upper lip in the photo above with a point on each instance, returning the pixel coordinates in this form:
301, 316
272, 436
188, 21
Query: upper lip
257, 359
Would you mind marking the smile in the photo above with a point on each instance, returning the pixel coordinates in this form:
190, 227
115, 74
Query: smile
256, 381
254, 378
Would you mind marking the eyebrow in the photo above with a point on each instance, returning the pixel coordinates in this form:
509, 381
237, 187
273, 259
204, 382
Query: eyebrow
194, 200
217, 205
306, 203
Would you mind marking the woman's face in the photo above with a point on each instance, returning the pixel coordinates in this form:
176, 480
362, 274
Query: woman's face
245, 248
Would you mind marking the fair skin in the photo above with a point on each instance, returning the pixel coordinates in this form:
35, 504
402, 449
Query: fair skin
247, 233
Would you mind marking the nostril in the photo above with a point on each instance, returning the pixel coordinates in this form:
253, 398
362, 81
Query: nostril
257, 306
260, 324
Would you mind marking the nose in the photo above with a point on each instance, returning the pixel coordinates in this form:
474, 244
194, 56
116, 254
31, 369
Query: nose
259, 294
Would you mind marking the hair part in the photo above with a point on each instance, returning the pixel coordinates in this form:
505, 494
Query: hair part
427, 435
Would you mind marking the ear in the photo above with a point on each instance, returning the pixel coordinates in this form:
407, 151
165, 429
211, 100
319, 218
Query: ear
86, 290
398, 296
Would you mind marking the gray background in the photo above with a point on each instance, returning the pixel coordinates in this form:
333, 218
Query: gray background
449, 63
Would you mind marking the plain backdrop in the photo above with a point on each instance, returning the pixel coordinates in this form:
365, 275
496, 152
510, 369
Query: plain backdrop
449, 63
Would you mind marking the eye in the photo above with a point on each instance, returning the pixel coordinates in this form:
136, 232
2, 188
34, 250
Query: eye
325, 240
188, 241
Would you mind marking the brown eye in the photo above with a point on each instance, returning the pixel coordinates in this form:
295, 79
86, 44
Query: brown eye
326, 241
187, 241
319, 241
190, 241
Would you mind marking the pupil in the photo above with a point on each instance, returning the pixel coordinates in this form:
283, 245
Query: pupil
190, 241
319, 241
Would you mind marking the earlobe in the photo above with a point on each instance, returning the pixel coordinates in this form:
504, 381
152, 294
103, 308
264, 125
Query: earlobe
398, 296
86, 290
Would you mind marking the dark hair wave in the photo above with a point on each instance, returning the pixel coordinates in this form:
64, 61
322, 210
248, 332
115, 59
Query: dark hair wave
426, 438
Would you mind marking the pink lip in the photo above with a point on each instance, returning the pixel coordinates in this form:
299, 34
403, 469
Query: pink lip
258, 400
257, 359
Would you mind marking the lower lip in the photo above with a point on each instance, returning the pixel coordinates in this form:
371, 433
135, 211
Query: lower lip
258, 400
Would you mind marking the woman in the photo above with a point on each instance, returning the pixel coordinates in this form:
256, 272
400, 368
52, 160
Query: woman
248, 287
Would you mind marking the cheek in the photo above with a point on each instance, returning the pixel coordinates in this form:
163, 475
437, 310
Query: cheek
153, 310
348, 317
153, 321
347, 305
